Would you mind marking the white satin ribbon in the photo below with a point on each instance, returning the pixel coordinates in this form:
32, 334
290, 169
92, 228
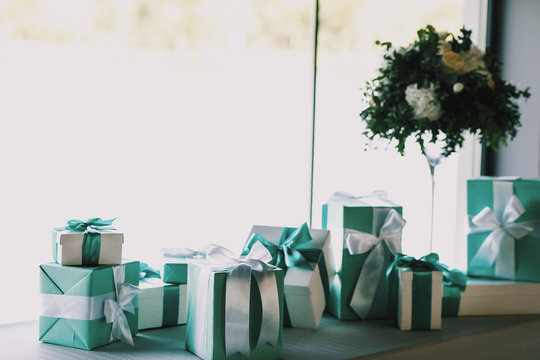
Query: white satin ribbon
184, 254
237, 298
125, 301
359, 243
502, 232
345, 197
73, 306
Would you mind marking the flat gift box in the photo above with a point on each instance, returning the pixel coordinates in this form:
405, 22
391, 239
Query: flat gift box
367, 215
205, 328
305, 290
492, 297
73, 304
161, 304
419, 300
517, 258
68, 247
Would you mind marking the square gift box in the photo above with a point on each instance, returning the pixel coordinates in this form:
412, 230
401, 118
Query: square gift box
161, 304
366, 233
504, 237
95, 247
492, 297
305, 287
419, 299
235, 313
75, 301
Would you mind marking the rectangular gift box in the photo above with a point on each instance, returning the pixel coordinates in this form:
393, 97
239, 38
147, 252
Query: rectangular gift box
305, 290
419, 300
175, 271
73, 300
68, 247
366, 214
517, 259
206, 316
492, 297
161, 304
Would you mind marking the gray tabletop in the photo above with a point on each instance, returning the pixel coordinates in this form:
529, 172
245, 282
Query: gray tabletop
333, 340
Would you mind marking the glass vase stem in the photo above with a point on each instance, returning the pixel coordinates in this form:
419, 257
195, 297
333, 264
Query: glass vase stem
432, 170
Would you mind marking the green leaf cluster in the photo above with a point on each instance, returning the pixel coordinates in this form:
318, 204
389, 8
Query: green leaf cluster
485, 106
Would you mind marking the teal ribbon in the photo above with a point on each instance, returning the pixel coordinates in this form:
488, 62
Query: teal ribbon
91, 245
145, 272
285, 253
421, 300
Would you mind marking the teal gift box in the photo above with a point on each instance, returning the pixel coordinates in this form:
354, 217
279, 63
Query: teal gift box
504, 237
175, 262
161, 304
75, 299
366, 233
419, 299
234, 318
175, 273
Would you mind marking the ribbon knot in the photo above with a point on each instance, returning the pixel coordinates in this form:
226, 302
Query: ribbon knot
237, 294
359, 243
114, 309
96, 224
504, 230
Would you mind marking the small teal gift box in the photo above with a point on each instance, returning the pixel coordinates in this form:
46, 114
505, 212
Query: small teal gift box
235, 306
160, 304
504, 219
175, 263
301, 252
87, 307
366, 233
90, 242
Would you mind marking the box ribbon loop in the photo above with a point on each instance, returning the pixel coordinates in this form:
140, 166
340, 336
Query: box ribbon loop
360, 242
114, 309
91, 245
237, 294
503, 231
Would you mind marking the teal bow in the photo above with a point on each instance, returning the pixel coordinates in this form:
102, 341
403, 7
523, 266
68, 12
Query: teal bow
429, 262
91, 245
146, 272
286, 254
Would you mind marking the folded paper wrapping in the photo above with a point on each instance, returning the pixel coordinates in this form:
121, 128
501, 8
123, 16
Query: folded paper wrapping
68, 247
492, 297
504, 241
357, 290
305, 288
419, 299
74, 304
161, 304
235, 312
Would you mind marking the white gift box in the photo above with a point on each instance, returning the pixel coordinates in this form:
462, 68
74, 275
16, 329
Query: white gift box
499, 297
67, 247
152, 311
409, 318
303, 288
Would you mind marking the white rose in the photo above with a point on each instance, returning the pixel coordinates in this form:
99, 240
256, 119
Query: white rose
458, 87
423, 101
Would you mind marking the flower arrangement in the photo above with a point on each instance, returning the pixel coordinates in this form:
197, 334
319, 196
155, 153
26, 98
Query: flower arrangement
441, 86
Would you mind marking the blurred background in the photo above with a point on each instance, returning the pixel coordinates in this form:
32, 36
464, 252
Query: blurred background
192, 120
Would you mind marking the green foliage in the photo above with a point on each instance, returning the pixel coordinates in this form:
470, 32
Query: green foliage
441, 86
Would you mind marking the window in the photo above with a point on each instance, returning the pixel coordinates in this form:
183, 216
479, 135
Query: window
188, 120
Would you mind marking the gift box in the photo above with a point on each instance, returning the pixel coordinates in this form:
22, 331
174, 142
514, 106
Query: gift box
91, 242
175, 263
235, 306
301, 252
492, 297
366, 233
161, 304
504, 237
87, 307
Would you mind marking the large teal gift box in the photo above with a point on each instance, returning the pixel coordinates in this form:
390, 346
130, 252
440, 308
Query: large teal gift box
366, 233
87, 307
90, 242
504, 237
301, 252
160, 304
235, 306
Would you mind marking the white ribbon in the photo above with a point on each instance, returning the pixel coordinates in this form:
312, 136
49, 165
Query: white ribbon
74, 306
502, 232
359, 243
237, 298
114, 309
184, 254
342, 196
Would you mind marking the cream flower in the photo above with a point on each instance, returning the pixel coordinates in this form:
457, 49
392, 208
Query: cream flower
458, 87
423, 101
